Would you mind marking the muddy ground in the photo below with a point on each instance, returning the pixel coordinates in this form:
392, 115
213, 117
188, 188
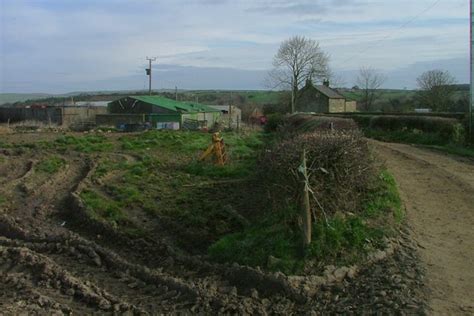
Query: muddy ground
54, 261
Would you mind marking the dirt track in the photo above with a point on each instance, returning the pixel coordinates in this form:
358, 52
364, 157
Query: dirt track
438, 192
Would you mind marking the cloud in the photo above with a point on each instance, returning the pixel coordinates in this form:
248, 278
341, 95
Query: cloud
59, 43
304, 7
405, 77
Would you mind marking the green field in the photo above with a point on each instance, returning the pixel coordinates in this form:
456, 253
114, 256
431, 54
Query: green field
21, 97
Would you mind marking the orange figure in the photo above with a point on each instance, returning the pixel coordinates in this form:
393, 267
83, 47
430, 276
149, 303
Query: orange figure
217, 148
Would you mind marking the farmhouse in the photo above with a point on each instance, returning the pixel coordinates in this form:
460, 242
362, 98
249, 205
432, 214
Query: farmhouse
322, 99
159, 112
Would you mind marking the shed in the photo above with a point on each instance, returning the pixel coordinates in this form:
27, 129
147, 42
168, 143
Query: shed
160, 112
231, 115
322, 99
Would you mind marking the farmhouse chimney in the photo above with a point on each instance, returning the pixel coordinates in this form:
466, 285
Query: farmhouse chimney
326, 83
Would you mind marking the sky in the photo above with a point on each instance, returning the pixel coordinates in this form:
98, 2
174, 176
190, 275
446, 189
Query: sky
57, 46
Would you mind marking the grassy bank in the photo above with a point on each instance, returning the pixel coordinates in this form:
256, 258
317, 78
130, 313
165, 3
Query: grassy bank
154, 178
271, 244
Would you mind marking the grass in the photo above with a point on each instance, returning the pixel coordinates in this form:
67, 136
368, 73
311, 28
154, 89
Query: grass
203, 203
51, 165
454, 150
383, 198
272, 244
384, 94
167, 182
5, 145
2, 200
85, 144
102, 208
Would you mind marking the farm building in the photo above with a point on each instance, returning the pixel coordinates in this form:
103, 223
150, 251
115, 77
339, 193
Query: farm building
323, 99
231, 115
160, 112
57, 115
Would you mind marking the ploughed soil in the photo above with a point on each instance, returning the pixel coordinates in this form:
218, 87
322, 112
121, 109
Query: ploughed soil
438, 192
55, 260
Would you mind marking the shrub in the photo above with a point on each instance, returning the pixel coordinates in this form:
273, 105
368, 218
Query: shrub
302, 123
340, 170
275, 121
443, 126
435, 130
272, 243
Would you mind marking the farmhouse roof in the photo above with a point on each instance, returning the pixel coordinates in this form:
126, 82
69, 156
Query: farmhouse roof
172, 105
330, 93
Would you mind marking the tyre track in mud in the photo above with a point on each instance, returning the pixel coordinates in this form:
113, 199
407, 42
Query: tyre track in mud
34, 228
171, 293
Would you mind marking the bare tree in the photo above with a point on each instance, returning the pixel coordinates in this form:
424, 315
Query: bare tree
369, 80
336, 80
298, 59
436, 89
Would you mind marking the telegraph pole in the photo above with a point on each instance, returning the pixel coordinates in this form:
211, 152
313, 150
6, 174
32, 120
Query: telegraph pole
471, 104
148, 72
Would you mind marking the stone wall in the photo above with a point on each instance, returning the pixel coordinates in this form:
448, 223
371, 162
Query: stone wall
351, 106
80, 114
337, 105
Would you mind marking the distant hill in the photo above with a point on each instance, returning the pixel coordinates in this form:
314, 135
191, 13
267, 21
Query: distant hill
16, 97
21, 97
256, 96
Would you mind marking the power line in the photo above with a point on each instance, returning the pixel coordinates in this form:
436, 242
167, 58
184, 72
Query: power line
405, 24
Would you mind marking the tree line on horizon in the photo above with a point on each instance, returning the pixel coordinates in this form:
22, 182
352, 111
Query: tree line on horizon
300, 59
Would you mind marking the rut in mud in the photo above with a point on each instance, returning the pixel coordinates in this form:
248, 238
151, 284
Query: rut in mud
52, 258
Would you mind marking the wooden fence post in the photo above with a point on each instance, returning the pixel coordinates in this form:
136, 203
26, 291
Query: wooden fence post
305, 204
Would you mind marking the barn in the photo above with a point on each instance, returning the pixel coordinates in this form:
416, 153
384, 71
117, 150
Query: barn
66, 116
322, 99
159, 112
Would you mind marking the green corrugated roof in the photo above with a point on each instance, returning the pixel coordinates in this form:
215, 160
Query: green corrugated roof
173, 105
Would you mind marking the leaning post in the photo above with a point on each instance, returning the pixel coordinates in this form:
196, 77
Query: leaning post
305, 204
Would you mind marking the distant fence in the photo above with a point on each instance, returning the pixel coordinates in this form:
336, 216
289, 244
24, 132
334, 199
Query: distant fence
45, 115
456, 115
66, 116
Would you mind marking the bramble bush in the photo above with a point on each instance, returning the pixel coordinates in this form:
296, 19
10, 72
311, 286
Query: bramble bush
340, 170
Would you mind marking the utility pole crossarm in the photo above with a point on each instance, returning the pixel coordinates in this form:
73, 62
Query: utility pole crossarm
149, 73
